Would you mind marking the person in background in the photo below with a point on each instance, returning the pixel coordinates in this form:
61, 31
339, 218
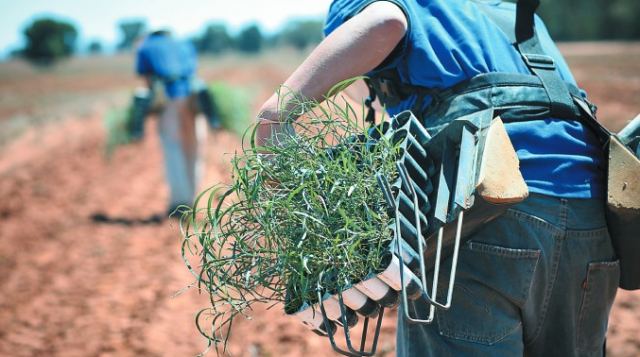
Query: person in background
539, 280
172, 64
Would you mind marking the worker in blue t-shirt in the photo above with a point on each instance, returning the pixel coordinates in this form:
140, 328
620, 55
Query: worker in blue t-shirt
541, 279
173, 63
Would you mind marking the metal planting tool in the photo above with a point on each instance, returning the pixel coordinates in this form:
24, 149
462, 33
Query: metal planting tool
446, 188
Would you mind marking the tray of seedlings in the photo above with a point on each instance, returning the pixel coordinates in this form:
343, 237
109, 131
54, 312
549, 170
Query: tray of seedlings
337, 223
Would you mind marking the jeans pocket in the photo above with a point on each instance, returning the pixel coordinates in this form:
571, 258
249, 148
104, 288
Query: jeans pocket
492, 285
599, 291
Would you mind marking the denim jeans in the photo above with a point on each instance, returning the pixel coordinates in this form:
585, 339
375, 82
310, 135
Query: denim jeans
538, 281
180, 139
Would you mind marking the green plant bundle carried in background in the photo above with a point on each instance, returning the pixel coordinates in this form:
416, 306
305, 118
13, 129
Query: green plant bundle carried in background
233, 106
126, 125
308, 216
117, 123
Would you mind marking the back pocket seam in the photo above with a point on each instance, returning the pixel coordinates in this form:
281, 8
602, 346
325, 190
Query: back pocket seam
588, 300
515, 253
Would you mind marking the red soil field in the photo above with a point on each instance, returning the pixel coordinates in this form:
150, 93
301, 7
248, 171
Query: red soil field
72, 286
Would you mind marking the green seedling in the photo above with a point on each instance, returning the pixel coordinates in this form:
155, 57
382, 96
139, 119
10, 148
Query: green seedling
298, 210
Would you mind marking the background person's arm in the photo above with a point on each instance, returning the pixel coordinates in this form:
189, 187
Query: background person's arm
356, 47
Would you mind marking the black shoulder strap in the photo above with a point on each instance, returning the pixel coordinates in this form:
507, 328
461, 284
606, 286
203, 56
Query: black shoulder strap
563, 104
525, 22
539, 63
525, 39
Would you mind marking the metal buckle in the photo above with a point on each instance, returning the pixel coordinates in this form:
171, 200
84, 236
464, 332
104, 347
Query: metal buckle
539, 61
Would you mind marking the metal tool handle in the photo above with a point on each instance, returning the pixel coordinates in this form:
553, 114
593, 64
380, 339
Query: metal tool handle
351, 350
432, 298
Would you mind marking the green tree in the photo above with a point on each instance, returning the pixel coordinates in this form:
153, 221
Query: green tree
580, 20
49, 40
131, 31
301, 33
95, 47
577, 20
622, 19
250, 39
215, 39
16, 53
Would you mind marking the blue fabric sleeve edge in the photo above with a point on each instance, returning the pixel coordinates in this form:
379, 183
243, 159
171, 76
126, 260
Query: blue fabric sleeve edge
395, 53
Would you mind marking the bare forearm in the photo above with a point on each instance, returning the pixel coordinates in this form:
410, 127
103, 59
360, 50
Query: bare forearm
355, 48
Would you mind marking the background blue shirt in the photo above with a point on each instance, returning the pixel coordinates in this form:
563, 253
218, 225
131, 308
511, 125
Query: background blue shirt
173, 61
450, 41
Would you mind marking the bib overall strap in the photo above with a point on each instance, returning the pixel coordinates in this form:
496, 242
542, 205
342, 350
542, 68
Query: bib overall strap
540, 64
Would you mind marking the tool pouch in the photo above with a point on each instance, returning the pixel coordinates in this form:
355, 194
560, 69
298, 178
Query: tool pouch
141, 105
623, 202
204, 103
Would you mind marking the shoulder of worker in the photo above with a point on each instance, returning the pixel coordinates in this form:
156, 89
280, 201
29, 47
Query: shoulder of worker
341, 11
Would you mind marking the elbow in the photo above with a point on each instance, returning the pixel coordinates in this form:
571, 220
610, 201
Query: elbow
395, 25
394, 29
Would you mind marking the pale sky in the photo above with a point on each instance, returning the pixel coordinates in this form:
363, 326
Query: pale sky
97, 19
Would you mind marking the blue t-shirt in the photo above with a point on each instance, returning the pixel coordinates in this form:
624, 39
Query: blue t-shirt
450, 41
173, 61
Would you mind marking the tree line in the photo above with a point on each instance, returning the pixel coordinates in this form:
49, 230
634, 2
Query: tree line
48, 40
299, 34
592, 20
